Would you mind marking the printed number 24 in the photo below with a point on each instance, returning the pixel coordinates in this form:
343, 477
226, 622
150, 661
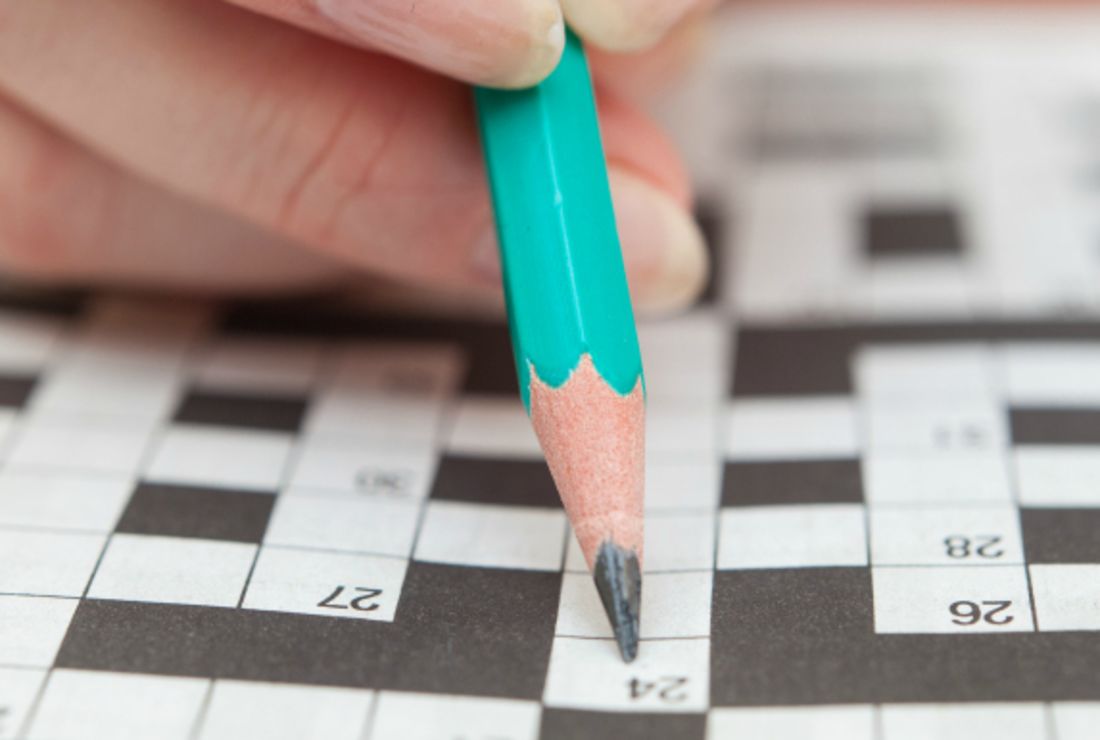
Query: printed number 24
669, 689
361, 603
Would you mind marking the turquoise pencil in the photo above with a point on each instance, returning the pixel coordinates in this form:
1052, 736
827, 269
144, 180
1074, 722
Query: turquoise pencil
572, 326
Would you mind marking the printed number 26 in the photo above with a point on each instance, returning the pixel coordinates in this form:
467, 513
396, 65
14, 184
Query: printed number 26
967, 613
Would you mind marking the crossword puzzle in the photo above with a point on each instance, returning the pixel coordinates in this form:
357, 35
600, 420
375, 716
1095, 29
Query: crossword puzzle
873, 484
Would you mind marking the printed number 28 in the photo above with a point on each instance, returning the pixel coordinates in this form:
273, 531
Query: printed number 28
969, 613
983, 546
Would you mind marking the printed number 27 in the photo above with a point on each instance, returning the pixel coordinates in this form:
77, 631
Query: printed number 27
361, 603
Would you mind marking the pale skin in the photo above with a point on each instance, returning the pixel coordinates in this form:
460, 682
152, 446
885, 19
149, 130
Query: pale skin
257, 146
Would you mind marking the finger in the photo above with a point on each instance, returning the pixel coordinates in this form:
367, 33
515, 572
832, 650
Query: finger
627, 25
67, 216
502, 43
350, 153
643, 75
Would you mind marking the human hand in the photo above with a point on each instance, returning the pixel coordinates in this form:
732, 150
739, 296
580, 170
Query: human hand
197, 145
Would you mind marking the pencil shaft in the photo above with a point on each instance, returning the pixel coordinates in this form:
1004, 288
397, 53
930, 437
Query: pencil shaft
563, 270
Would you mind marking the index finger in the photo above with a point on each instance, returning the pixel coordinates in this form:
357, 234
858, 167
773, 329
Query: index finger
499, 43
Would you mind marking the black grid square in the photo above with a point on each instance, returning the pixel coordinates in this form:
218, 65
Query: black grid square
792, 636
206, 513
711, 220
15, 390
1061, 535
482, 631
266, 413
914, 231
1052, 426
792, 482
495, 481
575, 724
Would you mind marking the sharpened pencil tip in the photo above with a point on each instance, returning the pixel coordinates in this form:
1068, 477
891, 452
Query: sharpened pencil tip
619, 581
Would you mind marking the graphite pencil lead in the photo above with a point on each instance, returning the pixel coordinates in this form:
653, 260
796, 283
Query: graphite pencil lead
619, 582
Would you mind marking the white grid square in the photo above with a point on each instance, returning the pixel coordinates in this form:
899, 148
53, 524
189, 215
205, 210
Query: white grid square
398, 473
258, 365
1058, 475
1067, 596
353, 524
673, 605
915, 479
927, 371
333, 584
386, 393
47, 563
196, 454
940, 427
953, 536
139, 391
19, 687
62, 500
683, 358
1005, 721
855, 722
409, 716
1076, 720
674, 541
173, 570
27, 342
667, 676
345, 415
784, 429
1052, 374
32, 628
8, 420
812, 535
941, 600
242, 709
926, 287
493, 427
93, 444
82, 704
387, 369
681, 483
492, 536
677, 429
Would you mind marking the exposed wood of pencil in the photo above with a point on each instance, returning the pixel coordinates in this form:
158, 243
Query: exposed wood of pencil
594, 441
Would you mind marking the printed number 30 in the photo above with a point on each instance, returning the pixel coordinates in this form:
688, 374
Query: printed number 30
968, 613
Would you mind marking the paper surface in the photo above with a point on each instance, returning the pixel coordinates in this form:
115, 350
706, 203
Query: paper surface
872, 501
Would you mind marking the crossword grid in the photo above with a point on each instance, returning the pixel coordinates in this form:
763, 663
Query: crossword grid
228, 507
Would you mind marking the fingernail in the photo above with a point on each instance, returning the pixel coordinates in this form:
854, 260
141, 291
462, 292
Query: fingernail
624, 25
663, 248
504, 44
